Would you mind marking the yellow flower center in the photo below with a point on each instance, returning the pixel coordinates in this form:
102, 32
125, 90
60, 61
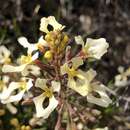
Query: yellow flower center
72, 72
26, 59
48, 92
23, 85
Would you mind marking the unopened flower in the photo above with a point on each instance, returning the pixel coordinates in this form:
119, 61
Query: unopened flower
25, 60
93, 48
50, 21
8, 95
47, 93
32, 46
4, 55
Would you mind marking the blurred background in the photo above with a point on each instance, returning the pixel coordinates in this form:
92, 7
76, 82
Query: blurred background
90, 18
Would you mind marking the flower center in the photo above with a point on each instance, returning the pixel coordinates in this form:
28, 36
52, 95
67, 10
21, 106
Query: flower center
48, 92
23, 85
26, 59
72, 72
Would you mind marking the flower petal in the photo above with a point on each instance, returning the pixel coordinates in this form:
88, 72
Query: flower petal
79, 40
9, 68
96, 47
7, 91
77, 61
50, 21
14, 98
55, 86
40, 111
41, 83
81, 86
103, 101
35, 56
42, 42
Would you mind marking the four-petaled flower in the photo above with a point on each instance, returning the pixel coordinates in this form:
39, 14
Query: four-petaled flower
47, 93
8, 94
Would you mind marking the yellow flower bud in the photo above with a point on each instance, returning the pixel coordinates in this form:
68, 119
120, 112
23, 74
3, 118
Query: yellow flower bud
23, 127
65, 39
48, 55
14, 122
28, 127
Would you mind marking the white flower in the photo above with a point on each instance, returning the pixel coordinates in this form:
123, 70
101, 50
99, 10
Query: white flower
81, 82
4, 55
102, 99
50, 21
8, 94
32, 46
82, 78
94, 48
47, 93
25, 60
31, 69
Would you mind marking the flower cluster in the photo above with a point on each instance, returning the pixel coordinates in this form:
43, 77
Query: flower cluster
49, 69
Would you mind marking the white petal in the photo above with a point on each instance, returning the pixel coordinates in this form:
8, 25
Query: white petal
81, 88
11, 108
35, 56
79, 40
97, 47
43, 42
41, 83
9, 68
8, 91
103, 101
24, 42
29, 84
50, 21
14, 98
38, 101
77, 61
56, 86
89, 75
4, 52
40, 111
64, 68
31, 69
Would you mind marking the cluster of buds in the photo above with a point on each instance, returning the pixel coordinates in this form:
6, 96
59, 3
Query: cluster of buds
50, 70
